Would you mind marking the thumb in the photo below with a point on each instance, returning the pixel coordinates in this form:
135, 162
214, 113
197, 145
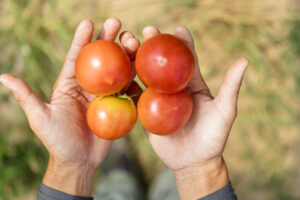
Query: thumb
228, 94
34, 108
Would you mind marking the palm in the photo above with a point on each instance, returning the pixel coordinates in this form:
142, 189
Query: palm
61, 123
204, 137
67, 110
200, 141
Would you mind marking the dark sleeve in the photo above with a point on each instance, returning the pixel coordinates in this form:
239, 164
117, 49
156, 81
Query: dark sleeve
47, 193
226, 193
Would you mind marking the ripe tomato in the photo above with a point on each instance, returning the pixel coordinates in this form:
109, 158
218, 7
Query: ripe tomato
165, 63
164, 114
110, 117
102, 68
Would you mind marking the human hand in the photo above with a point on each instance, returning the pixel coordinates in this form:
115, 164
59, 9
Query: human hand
195, 153
75, 152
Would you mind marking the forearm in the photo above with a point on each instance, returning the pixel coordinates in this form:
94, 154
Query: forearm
201, 180
70, 179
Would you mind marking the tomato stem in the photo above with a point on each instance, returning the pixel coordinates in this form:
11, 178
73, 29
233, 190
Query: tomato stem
124, 96
134, 95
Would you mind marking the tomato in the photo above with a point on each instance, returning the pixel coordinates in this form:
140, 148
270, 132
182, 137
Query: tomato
111, 117
165, 63
164, 114
102, 68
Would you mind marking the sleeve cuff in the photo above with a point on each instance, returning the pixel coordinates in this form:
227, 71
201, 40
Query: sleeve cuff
225, 193
47, 193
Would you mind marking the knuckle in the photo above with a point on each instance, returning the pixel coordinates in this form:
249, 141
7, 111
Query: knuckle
23, 97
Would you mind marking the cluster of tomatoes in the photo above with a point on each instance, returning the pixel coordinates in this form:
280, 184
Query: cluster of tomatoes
166, 65
163, 63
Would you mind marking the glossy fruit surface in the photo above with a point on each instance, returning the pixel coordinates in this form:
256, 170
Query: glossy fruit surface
165, 63
164, 114
102, 68
111, 117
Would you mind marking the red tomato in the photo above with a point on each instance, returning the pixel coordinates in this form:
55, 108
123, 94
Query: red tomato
102, 68
164, 114
165, 63
110, 117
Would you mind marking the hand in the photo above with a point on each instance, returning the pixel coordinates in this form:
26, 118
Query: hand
195, 153
75, 152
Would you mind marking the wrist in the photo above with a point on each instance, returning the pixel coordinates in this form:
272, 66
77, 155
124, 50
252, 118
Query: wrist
197, 181
71, 179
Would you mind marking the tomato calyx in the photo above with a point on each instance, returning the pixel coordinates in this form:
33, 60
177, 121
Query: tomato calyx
134, 95
124, 96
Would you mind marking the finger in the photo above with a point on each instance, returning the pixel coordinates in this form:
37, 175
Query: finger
34, 108
101, 145
82, 37
197, 83
228, 94
110, 29
150, 31
131, 79
184, 34
125, 35
129, 43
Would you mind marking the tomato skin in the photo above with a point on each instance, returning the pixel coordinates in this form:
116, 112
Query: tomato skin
111, 117
165, 63
102, 68
164, 114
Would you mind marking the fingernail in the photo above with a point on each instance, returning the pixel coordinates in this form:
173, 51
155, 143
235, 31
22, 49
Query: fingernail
150, 29
243, 61
179, 28
129, 42
4, 82
112, 22
242, 64
125, 36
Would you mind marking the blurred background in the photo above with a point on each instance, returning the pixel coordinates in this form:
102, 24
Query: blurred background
263, 151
